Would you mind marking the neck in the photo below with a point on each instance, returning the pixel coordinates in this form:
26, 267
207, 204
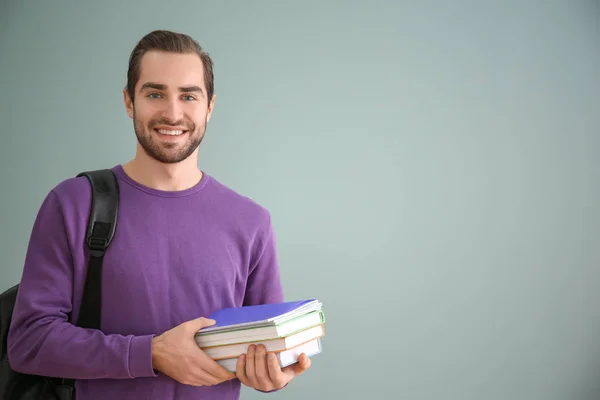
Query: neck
168, 177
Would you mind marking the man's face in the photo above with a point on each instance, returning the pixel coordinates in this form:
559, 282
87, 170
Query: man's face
171, 108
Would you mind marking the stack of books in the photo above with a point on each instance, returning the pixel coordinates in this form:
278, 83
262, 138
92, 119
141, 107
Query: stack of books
287, 329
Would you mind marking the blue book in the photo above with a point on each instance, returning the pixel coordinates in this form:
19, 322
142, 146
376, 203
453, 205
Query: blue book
262, 315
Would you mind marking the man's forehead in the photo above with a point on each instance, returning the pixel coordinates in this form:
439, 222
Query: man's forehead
173, 70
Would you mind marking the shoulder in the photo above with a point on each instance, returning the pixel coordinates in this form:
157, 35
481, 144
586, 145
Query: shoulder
76, 191
64, 209
238, 206
239, 201
72, 192
67, 203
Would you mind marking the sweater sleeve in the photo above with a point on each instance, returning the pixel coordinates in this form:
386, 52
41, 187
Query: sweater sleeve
264, 282
41, 340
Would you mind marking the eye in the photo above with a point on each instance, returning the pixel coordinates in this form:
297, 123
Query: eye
153, 95
189, 98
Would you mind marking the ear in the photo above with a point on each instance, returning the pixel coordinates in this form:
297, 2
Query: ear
128, 103
211, 106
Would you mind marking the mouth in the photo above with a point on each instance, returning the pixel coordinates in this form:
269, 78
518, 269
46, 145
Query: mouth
170, 132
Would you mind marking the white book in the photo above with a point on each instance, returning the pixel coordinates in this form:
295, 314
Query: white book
285, 357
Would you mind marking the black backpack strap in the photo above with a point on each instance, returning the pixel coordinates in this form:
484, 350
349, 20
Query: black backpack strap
102, 222
100, 231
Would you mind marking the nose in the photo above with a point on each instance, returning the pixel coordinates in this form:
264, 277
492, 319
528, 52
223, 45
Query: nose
173, 111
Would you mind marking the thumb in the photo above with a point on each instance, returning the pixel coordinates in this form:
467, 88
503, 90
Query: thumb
199, 323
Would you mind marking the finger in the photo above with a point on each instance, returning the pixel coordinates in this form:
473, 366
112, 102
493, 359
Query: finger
203, 373
214, 368
305, 362
195, 325
200, 377
260, 366
240, 370
219, 371
299, 367
250, 367
278, 378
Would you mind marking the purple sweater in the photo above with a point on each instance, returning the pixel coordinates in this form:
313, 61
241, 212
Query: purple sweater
175, 256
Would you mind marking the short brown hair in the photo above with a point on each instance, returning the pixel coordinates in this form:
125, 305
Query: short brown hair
163, 40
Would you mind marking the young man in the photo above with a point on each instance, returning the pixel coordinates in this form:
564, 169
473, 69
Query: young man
185, 246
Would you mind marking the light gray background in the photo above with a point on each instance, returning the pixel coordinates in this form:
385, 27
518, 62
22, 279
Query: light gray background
431, 167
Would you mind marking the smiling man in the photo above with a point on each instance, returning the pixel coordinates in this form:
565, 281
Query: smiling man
185, 246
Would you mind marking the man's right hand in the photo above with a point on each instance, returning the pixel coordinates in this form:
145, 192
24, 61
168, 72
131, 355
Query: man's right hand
175, 353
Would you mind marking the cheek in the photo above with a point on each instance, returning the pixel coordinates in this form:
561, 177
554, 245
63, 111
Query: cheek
145, 114
199, 114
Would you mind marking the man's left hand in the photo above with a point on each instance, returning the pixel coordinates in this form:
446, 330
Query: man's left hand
261, 371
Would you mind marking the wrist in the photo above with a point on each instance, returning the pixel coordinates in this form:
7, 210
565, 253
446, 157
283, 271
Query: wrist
157, 351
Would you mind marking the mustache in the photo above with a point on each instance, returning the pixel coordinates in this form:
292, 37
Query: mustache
181, 123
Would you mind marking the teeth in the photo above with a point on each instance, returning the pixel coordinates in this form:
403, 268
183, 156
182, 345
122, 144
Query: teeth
168, 132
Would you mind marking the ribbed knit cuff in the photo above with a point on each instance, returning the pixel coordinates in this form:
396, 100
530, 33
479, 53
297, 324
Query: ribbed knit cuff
140, 357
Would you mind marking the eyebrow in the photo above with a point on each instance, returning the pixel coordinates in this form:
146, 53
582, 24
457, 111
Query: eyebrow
159, 86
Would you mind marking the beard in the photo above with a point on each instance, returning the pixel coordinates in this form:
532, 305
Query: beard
165, 152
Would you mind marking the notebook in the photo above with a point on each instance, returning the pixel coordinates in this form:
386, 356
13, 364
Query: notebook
262, 315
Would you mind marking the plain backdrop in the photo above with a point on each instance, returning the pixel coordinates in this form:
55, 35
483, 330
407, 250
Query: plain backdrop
431, 168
